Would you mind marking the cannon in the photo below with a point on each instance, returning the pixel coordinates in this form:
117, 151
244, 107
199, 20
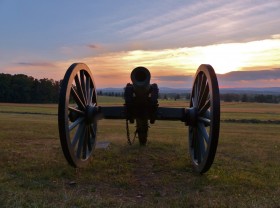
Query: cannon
79, 113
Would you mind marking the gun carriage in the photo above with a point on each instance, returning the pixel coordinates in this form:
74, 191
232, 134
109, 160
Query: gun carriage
79, 113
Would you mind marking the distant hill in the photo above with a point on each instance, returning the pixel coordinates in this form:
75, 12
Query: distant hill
270, 90
161, 89
111, 89
167, 90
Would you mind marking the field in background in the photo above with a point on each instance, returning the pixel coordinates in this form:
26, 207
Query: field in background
245, 173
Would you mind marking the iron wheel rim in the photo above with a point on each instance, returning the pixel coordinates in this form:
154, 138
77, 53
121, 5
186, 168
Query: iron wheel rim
204, 132
77, 135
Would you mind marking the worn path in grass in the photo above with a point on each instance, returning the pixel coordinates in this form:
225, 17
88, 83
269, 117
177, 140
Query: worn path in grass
34, 172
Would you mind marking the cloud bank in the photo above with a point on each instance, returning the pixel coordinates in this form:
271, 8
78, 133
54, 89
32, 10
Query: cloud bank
172, 67
237, 79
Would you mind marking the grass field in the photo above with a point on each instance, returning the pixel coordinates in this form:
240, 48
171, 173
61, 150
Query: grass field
34, 172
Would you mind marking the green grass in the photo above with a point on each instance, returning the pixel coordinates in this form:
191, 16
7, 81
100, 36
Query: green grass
34, 172
28, 108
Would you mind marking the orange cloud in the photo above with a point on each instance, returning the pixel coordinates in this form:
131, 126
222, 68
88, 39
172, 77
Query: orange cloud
112, 69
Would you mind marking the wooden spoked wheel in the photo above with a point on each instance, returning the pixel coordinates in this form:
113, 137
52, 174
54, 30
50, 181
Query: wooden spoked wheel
205, 120
77, 115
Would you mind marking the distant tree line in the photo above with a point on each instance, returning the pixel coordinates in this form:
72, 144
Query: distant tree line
113, 94
21, 88
166, 96
175, 96
229, 97
257, 98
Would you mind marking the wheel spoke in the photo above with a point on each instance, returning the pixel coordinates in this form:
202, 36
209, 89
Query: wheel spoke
89, 140
193, 103
206, 121
74, 124
197, 90
81, 142
207, 114
79, 89
204, 96
202, 88
94, 97
191, 132
201, 146
83, 85
85, 143
92, 136
88, 90
93, 131
76, 110
77, 135
203, 132
77, 98
205, 107
194, 143
197, 146
90, 96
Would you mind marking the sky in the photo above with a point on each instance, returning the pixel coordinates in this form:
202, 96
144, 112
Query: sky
169, 37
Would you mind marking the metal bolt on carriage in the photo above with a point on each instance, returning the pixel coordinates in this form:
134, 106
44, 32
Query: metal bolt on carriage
79, 113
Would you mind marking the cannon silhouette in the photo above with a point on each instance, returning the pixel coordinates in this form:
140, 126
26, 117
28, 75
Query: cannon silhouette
79, 112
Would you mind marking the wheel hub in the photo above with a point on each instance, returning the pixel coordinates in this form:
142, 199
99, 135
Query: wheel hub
91, 113
191, 116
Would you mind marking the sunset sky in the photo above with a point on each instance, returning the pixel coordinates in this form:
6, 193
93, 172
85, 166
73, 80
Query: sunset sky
171, 38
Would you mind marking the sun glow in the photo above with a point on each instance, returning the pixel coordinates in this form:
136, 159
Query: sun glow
223, 57
237, 56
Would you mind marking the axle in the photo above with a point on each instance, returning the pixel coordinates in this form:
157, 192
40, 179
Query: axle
187, 115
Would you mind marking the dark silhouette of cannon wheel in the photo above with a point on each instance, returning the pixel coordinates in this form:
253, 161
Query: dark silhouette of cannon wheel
79, 112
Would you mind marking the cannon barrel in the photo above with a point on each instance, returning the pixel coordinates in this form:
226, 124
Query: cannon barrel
140, 77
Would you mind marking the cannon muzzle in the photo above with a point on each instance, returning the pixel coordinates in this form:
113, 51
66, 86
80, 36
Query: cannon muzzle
140, 77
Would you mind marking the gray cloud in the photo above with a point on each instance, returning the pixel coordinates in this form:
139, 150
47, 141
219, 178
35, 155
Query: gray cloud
40, 64
231, 79
250, 75
234, 76
93, 46
176, 78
